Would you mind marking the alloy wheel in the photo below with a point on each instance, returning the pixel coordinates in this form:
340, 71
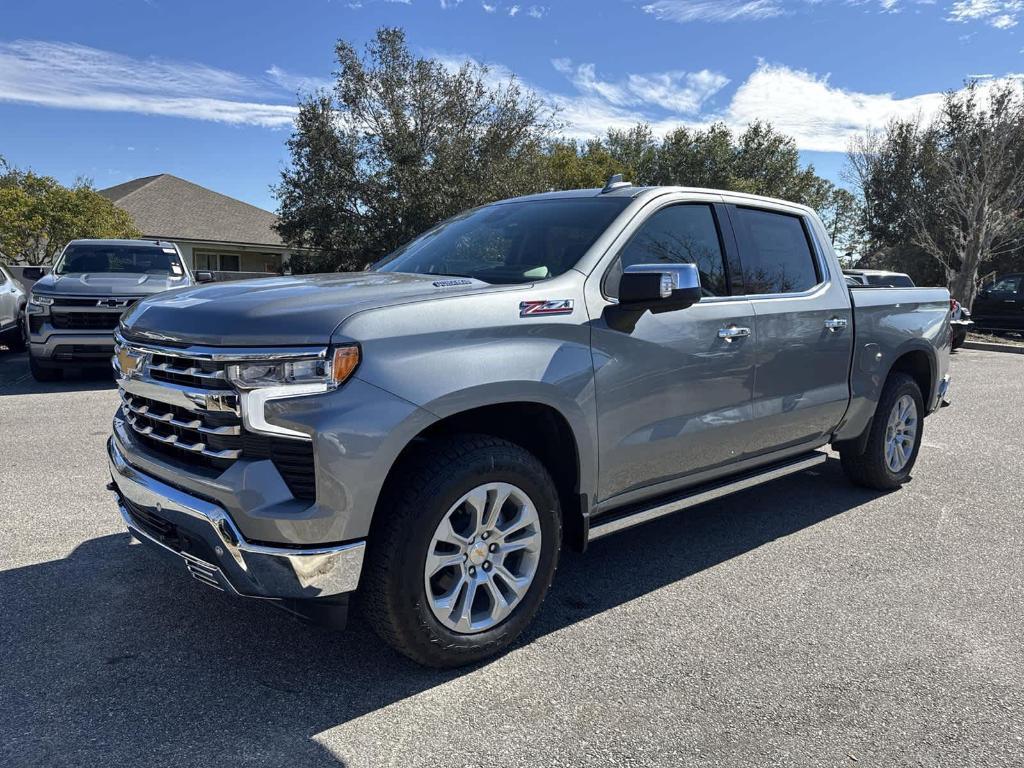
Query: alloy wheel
482, 558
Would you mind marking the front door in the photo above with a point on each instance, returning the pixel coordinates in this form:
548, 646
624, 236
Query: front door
673, 396
804, 328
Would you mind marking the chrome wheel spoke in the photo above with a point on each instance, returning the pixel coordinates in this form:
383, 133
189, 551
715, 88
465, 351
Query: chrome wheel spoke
517, 585
438, 562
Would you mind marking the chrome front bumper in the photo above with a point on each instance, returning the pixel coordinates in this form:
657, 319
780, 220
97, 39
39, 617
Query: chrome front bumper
203, 536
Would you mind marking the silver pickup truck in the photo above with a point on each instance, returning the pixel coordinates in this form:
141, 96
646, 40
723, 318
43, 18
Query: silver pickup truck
72, 311
529, 375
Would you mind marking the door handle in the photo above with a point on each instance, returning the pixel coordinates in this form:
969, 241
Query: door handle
835, 324
733, 332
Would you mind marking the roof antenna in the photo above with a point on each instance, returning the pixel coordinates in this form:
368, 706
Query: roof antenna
614, 182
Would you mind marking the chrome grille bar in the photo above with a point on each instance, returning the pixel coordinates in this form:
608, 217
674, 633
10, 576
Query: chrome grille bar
175, 440
189, 398
168, 418
192, 370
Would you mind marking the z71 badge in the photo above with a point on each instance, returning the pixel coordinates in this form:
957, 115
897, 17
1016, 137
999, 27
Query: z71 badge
545, 307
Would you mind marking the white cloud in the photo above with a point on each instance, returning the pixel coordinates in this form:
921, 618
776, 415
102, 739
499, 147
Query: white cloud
683, 11
78, 77
676, 91
537, 11
293, 82
818, 115
1001, 14
489, 8
513, 10
446, 4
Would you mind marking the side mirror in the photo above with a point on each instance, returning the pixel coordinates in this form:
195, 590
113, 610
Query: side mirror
32, 273
205, 276
659, 286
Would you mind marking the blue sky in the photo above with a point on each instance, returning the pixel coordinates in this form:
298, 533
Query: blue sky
206, 90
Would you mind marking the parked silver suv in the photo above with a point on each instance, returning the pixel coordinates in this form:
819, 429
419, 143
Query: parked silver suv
73, 310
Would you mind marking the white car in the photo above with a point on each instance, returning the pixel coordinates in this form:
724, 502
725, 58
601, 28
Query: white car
12, 311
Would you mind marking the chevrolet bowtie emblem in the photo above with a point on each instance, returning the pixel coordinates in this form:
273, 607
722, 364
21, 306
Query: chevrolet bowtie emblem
112, 303
128, 362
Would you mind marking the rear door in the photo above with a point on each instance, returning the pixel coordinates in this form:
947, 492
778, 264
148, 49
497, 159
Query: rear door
804, 327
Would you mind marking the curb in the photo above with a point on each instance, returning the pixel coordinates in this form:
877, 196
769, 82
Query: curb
991, 347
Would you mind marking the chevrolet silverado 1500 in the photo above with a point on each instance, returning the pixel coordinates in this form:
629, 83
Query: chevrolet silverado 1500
531, 374
72, 312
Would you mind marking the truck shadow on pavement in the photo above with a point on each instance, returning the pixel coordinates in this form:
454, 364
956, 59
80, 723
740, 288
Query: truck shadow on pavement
15, 378
111, 656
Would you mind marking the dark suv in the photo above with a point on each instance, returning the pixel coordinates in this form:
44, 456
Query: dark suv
1000, 306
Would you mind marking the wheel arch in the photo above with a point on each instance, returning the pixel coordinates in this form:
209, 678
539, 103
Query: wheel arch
538, 427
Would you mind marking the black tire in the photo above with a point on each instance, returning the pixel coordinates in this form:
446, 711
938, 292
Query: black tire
42, 373
959, 337
869, 467
392, 593
15, 340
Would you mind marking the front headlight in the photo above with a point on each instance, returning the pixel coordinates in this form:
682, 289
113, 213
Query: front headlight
39, 304
328, 373
261, 381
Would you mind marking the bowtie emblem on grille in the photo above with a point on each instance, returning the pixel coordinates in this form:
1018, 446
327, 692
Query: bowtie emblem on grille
128, 362
113, 303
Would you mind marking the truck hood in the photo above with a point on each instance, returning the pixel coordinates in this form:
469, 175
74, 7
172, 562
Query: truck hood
107, 284
280, 311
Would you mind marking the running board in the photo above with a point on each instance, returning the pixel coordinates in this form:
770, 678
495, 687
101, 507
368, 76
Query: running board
703, 493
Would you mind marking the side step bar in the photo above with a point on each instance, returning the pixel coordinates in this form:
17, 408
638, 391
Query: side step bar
694, 496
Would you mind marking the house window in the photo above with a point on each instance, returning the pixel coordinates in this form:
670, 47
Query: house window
218, 262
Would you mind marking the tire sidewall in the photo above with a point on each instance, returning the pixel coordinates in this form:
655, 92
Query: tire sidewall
481, 468
903, 386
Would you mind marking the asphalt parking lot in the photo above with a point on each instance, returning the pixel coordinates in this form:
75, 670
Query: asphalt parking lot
803, 623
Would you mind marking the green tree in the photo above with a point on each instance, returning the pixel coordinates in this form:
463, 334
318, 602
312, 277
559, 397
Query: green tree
38, 216
400, 144
950, 190
570, 165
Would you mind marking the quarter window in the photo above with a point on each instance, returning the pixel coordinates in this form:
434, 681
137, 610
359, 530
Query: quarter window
775, 251
679, 234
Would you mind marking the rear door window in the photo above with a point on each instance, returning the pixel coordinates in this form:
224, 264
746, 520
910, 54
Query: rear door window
775, 251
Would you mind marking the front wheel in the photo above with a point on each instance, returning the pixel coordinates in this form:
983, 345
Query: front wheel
894, 438
42, 373
464, 552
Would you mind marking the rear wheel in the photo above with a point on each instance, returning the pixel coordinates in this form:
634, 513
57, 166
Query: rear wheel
894, 438
464, 553
43, 373
959, 337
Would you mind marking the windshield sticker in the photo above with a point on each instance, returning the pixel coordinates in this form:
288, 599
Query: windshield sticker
545, 307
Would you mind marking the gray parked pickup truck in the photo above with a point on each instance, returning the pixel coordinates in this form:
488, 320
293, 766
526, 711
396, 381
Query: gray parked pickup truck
529, 375
72, 311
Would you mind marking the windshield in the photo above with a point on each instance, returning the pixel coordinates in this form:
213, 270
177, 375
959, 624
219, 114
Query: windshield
131, 259
509, 242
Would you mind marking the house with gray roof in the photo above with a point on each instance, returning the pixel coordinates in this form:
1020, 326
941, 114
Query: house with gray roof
213, 231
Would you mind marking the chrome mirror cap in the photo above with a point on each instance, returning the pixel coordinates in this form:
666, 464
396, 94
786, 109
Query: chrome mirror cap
660, 285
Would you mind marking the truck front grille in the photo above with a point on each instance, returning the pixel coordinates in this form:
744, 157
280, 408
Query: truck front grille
211, 438
93, 321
